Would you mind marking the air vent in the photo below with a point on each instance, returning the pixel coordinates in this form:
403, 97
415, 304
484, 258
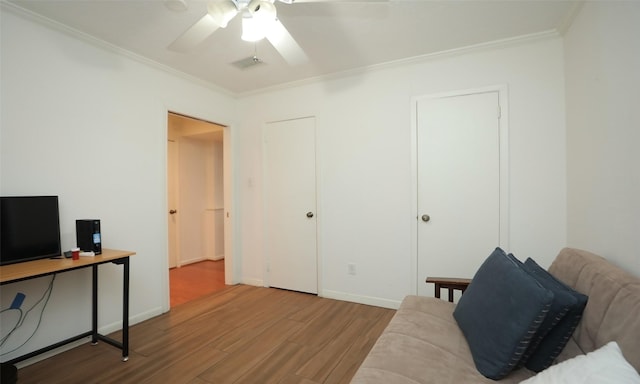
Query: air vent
248, 62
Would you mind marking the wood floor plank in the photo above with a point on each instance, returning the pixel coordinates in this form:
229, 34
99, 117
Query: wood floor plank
326, 325
254, 350
198, 307
294, 379
187, 369
240, 335
325, 360
275, 366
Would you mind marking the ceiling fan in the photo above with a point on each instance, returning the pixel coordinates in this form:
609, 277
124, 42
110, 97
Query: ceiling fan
259, 20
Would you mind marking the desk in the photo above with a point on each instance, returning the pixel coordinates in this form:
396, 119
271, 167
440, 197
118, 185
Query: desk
448, 283
43, 267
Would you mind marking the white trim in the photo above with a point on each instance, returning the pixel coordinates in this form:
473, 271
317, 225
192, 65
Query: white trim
53, 352
107, 329
116, 326
233, 261
318, 212
232, 272
266, 260
360, 299
413, 247
569, 17
255, 282
496, 44
503, 121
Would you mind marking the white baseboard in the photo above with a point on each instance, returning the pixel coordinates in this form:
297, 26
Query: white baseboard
116, 326
368, 300
107, 329
254, 282
53, 352
183, 263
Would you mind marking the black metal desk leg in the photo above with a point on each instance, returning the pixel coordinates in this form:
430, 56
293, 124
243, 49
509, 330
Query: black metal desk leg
125, 310
94, 305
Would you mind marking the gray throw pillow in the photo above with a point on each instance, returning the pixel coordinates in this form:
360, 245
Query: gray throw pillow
499, 313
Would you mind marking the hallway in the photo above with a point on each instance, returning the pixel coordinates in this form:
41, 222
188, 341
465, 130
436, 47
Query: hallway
195, 280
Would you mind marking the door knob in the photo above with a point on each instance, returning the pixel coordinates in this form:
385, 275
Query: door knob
309, 214
171, 212
426, 218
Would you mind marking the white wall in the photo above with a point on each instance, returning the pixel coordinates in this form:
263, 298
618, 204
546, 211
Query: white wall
215, 203
90, 126
364, 149
193, 184
602, 62
63, 99
201, 200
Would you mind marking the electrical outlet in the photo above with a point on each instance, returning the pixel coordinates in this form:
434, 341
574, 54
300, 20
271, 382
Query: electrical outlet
351, 268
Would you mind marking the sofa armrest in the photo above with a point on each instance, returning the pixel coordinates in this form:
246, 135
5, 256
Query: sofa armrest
449, 283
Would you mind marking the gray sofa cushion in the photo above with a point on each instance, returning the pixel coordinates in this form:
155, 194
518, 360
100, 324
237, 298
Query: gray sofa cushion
423, 344
500, 312
613, 310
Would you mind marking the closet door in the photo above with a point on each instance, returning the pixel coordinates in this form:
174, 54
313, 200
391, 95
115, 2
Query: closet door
290, 205
458, 154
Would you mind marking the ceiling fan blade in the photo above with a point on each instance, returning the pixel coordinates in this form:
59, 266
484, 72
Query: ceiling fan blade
284, 43
332, 1
195, 35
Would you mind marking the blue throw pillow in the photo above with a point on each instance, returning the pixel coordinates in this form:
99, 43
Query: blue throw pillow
562, 302
569, 304
499, 313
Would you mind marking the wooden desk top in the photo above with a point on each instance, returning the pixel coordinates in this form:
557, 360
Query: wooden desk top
41, 267
448, 280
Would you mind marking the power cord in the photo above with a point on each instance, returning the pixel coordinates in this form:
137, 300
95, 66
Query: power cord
17, 302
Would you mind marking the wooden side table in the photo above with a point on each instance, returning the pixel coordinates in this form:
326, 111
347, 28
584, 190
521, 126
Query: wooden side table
448, 283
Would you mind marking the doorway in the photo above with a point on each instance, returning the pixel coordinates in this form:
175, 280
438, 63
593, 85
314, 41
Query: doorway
461, 167
196, 207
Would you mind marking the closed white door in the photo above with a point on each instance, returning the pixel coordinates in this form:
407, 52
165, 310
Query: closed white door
290, 205
458, 154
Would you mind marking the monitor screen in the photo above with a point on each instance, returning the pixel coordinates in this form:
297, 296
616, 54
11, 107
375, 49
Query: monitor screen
29, 228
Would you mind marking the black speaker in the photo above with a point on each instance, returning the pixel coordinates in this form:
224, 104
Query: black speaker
88, 237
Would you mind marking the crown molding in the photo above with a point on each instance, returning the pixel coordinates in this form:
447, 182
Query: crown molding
486, 46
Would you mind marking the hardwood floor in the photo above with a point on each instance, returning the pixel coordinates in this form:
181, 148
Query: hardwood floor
242, 334
195, 280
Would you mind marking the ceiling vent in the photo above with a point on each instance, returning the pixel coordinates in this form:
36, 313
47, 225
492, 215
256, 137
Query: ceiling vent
247, 63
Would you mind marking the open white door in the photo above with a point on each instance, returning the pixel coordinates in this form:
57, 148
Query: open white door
172, 185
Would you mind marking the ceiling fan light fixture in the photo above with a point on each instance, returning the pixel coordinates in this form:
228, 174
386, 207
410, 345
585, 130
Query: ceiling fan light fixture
176, 5
251, 28
222, 12
257, 20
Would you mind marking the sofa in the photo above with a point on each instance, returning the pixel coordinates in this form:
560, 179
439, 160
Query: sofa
423, 343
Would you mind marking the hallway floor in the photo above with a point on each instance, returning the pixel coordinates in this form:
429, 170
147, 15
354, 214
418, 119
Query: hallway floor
195, 280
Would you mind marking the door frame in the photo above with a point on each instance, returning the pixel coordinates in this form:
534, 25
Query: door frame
232, 262
503, 120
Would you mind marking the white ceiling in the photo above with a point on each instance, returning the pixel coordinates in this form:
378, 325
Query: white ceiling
337, 36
